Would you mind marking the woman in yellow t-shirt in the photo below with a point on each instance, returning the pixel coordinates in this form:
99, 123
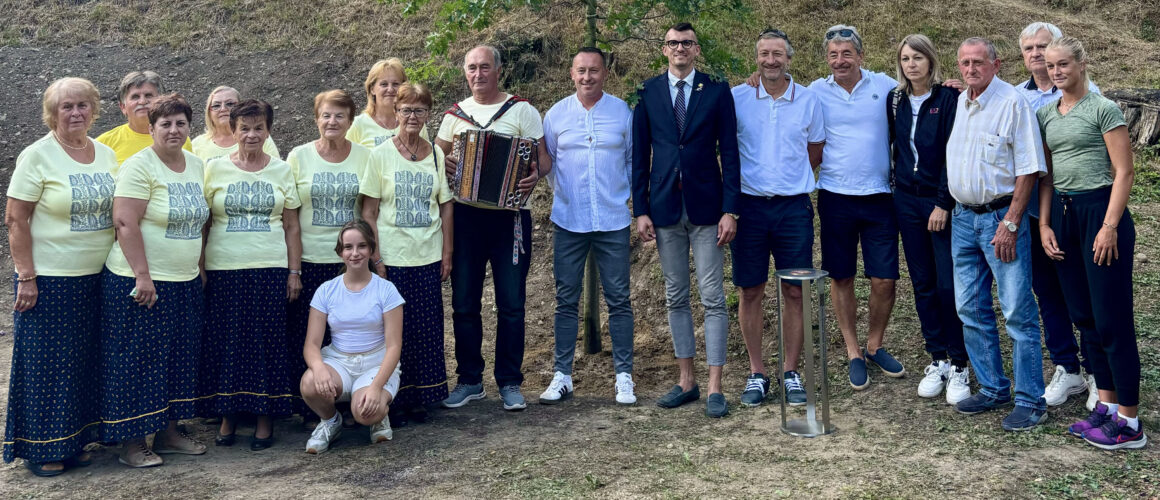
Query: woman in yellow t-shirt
378, 123
326, 173
406, 194
218, 140
252, 260
60, 228
152, 317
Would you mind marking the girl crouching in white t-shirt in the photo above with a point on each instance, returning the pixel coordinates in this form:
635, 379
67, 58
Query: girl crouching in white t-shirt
361, 364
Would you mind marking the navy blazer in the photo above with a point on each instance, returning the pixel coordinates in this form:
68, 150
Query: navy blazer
668, 171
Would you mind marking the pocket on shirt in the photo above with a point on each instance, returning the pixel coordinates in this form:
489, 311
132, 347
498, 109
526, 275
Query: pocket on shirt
994, 149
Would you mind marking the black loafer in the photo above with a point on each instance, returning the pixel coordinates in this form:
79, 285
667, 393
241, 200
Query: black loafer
678, 397
225, 439
259, 444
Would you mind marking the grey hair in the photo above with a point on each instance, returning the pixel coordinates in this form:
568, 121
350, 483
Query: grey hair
770, 35
1036, 27
495, 57
992, 54
855, 39
137, 79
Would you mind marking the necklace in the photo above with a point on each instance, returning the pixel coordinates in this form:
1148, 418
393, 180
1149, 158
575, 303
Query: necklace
74, 148
401, 143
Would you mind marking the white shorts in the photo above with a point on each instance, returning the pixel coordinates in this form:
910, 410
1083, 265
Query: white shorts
359, 370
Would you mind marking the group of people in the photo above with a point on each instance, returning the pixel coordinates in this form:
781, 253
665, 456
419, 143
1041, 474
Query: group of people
159, 278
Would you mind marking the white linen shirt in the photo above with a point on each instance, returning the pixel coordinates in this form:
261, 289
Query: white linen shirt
1040, 98
591, 151
772, 137
994, 140
856, 158
688, 87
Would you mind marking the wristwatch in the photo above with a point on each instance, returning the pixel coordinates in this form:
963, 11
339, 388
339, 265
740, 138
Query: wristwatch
734, 216
1011, 226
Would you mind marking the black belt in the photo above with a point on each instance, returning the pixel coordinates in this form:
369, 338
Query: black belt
990, 206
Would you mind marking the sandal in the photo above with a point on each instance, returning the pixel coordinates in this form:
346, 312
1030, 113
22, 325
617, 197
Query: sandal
82, 459
140, 456
39, 470
185, 445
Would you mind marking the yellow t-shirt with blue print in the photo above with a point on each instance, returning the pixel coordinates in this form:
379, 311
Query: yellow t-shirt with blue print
409, 193
72, 224
366, 131
126, 143
329, 195
246, 210
174, 217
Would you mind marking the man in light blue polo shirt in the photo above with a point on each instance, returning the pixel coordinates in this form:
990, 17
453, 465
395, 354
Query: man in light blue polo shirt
855, 205
780, 134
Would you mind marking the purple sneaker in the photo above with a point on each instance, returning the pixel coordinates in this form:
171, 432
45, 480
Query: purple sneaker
1099, 416
1116, 435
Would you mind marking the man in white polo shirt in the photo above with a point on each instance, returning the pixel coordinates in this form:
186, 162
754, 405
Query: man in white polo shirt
854, 198
994, 156
780, 134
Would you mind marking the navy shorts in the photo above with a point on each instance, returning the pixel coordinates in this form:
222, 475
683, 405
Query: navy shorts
781, 225
847, 220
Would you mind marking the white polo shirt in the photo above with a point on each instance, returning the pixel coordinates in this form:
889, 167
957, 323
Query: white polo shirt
772, 136
856, 159
994, 140
591, 152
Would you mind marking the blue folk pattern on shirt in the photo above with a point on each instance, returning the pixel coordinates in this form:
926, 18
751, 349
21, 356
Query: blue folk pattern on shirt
332, 197
413, 198
92, 202
249, 206
188, 211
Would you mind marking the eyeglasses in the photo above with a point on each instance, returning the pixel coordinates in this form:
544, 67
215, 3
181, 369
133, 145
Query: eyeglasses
220, 105
413, 111
844, 33
673, 44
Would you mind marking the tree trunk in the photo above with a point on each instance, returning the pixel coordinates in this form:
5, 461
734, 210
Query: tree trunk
591, 306
590, 36
1141, 109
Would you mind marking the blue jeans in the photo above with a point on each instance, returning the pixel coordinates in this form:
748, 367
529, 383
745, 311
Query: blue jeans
976, 266
611, 251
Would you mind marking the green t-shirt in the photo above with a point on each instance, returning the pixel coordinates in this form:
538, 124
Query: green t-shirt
1079, 156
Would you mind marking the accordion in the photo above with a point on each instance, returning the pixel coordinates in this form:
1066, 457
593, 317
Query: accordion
489, 167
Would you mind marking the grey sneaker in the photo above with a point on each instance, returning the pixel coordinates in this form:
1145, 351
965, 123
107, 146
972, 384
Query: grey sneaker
462, 394
513, 399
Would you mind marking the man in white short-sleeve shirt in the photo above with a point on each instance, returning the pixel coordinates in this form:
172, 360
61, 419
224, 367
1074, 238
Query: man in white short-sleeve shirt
855, 205
484, 235
994, 156
780, 135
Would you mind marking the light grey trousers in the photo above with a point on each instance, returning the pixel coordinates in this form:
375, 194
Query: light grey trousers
673, 244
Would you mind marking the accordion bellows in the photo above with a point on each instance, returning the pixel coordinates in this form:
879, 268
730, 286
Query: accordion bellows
490, 166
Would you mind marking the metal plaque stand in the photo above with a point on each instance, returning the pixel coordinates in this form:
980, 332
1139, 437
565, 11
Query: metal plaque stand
814, 373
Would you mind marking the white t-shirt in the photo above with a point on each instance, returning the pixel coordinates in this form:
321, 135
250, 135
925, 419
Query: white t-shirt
915, 105
356, 318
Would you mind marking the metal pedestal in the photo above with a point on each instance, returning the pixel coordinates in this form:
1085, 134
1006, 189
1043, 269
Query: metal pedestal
813, 372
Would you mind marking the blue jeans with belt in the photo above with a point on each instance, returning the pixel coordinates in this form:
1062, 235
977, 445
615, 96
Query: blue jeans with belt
976, 267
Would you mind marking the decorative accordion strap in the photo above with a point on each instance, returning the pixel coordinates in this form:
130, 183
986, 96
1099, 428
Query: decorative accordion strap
458, 112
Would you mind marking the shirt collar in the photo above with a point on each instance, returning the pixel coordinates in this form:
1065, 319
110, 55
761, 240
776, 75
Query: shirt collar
983, 98
1031, 85
580, 105
688, 79
788, 95
863, 71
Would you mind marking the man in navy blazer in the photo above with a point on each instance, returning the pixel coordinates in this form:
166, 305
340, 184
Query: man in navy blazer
684, 198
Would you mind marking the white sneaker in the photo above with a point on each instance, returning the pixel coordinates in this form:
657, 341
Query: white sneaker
559, 390
324, 434
936, 378
624, 386
1063, 384
958, 385
381, 432
1093, 393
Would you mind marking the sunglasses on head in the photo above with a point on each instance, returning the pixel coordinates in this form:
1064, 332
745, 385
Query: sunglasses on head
844, 33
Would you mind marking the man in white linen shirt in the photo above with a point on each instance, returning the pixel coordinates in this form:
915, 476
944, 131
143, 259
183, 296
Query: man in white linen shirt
855, 204
994, 156
780, 135
589, 138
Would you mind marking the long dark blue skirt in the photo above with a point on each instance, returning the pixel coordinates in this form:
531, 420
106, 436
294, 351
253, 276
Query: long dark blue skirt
245, 356
297, 318
54, 391
150, 356
424, 377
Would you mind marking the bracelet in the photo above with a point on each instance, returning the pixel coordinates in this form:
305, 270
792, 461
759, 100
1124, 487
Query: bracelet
24, 279
377, 262
1106, 224
296, 271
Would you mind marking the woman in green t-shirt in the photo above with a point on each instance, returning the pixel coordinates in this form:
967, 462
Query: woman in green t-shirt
1086, 228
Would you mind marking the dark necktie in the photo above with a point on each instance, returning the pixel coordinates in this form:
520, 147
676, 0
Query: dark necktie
679, 107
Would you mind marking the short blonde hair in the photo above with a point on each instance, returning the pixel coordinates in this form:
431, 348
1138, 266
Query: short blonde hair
210, 124
922, 45
336, 97
415, 92
377, 72
69, 87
